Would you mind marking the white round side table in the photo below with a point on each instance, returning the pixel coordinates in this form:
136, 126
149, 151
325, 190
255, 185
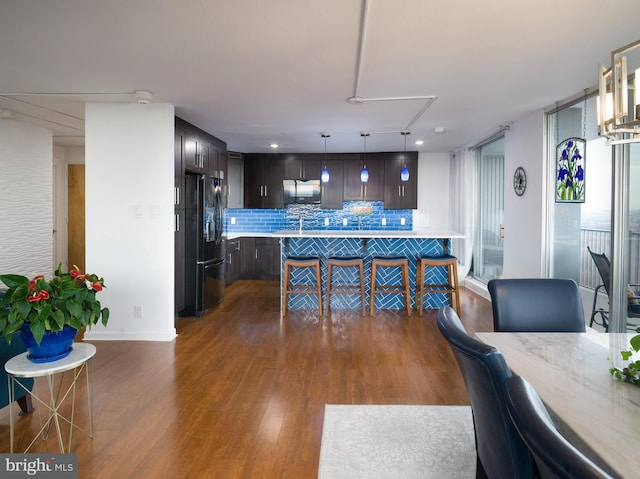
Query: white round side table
21, 367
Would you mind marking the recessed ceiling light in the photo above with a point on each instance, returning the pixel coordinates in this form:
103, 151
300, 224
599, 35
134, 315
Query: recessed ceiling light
419, 142
439, 129
274, 145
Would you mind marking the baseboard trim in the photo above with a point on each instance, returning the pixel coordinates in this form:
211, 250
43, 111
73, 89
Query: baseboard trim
477, 287
110, 336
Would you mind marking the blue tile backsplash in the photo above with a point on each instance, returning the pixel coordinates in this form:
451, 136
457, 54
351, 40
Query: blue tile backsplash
363, 215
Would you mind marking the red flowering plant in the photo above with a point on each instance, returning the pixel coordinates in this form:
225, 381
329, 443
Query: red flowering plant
66, 299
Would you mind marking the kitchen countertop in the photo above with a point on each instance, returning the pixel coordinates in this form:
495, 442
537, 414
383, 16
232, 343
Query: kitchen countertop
247, 234
425, 233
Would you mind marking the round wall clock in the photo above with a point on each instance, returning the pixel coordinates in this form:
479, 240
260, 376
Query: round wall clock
519, 181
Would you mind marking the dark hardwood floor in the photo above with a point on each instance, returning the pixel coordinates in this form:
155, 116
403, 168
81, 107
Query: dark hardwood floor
241, 392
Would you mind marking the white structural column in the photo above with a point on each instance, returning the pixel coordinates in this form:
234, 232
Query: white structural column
130, 217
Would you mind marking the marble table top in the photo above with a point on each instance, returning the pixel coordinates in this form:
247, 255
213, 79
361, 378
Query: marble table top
20, 366
570, 371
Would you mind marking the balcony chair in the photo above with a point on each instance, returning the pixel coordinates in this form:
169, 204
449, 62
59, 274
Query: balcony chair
555, 457
501, 451
536, 305
604, 269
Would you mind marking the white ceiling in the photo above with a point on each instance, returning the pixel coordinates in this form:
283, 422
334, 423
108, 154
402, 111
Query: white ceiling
253, 72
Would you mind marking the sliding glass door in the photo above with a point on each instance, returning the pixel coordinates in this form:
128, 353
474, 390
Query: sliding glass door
579, 226
488, 247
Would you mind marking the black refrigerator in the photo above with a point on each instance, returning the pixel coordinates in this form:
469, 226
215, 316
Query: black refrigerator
205, 244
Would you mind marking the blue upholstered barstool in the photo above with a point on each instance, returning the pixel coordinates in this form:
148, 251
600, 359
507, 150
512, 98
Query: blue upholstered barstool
401, 262
345, 262
288, 288
450, 287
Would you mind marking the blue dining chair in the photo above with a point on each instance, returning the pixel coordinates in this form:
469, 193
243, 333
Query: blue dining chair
501, 451
555, 457
536, 305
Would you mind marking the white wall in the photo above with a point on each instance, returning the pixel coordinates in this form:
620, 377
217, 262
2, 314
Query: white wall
74, 155
129, 169
26, 192
523, 215
433, 192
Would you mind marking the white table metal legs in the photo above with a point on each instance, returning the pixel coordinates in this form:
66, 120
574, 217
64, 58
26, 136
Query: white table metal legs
77, 363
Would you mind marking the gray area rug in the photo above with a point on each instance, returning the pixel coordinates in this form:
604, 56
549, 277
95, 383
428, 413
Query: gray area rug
397, 442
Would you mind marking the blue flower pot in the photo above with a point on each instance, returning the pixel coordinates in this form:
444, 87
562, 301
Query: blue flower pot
53, 346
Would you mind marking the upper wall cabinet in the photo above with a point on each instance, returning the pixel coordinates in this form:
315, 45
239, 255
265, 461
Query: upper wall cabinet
333, 190
264, 172
202, 152
373, 188
263, 175
399, 194
302, 167
196, 154
235, 179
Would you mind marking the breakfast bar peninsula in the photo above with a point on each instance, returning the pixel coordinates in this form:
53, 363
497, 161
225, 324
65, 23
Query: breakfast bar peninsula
365, 244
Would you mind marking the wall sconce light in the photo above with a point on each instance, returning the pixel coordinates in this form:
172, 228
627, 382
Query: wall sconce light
324, 176
614, 120
364, 174
404, 173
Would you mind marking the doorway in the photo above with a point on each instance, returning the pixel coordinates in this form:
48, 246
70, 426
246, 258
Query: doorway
76, 221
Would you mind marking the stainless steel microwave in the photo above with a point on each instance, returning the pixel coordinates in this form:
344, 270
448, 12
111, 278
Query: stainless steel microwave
302, 192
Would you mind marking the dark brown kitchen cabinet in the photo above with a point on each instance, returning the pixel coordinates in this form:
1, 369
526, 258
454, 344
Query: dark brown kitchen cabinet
373, 189
233, 260
263, 175
398, 194
201, 151
302, 167
268, 258
332, 191
196, 154
178, 193
179, 224
218, 160
179, 262
259, 258
247, 257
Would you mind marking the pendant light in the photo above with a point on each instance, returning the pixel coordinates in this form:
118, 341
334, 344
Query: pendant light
616, 120
404, 173
324, 176
364, 174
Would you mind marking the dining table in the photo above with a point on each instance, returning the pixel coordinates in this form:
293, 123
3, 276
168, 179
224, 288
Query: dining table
597, 413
